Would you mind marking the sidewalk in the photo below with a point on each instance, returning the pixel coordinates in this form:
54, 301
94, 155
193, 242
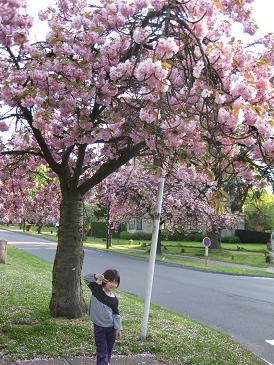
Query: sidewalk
144, 359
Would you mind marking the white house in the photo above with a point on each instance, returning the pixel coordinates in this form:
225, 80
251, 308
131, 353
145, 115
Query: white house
145, 225
140, 225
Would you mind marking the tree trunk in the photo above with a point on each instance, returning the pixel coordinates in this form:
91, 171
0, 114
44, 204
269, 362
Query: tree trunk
159, 242
67, 296
3, 252
215, 237
109, 239
109, 234
39, 228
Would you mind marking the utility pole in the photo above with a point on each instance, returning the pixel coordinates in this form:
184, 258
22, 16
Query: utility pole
152, 256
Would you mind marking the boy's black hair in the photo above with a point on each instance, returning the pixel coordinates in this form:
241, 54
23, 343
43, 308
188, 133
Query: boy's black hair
112, 275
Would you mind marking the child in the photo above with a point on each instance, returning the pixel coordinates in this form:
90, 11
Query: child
104, 313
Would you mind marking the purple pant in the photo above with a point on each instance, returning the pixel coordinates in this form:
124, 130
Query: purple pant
104, 341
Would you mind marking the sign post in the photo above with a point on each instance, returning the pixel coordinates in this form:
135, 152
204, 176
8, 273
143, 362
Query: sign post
206, 243
152, 256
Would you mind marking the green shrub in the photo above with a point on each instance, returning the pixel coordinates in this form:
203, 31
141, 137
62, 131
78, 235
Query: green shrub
165, 235
124, 235
115, 234
178, 236
231, 239
182, 236
135, 236
87, 229
252, 236
195, 236
98, 229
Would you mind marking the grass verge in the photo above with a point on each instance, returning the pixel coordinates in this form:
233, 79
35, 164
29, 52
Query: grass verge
27, 331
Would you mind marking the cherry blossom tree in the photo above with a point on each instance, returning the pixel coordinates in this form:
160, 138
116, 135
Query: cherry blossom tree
28, 192
123, 78
190, 203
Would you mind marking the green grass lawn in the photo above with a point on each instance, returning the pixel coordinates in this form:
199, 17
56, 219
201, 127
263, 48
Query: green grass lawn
243, 254
232, 256
27, 331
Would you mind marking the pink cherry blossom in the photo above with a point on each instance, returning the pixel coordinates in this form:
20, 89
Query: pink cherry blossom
166, 48
140, 35
3, 127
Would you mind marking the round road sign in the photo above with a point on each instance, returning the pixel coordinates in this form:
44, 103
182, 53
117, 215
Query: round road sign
206, 241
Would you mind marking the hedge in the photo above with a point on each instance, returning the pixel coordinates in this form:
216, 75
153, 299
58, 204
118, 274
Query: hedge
252, 236
230, 239
98, 229
182, 236
135, 236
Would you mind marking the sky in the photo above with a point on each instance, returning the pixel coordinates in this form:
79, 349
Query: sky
263, 14
263, 11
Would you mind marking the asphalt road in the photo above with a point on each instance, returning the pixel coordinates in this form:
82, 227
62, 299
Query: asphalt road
242, 307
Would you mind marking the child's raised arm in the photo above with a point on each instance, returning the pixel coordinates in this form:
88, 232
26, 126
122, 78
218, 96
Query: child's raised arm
91, 278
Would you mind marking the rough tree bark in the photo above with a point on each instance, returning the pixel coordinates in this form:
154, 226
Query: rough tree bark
215, 237
109, 234
24, 225
39, 228
3, 252
67, 297
159, 242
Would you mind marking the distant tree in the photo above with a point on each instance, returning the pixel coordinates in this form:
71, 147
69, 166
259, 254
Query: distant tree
190, 199
259, 211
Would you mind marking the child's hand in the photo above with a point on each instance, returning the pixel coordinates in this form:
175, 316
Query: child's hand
101, 277
118, 334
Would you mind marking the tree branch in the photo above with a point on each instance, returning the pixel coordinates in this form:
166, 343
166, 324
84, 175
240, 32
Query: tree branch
65, 155
22, 153
108, 168
42, 143
79, 164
